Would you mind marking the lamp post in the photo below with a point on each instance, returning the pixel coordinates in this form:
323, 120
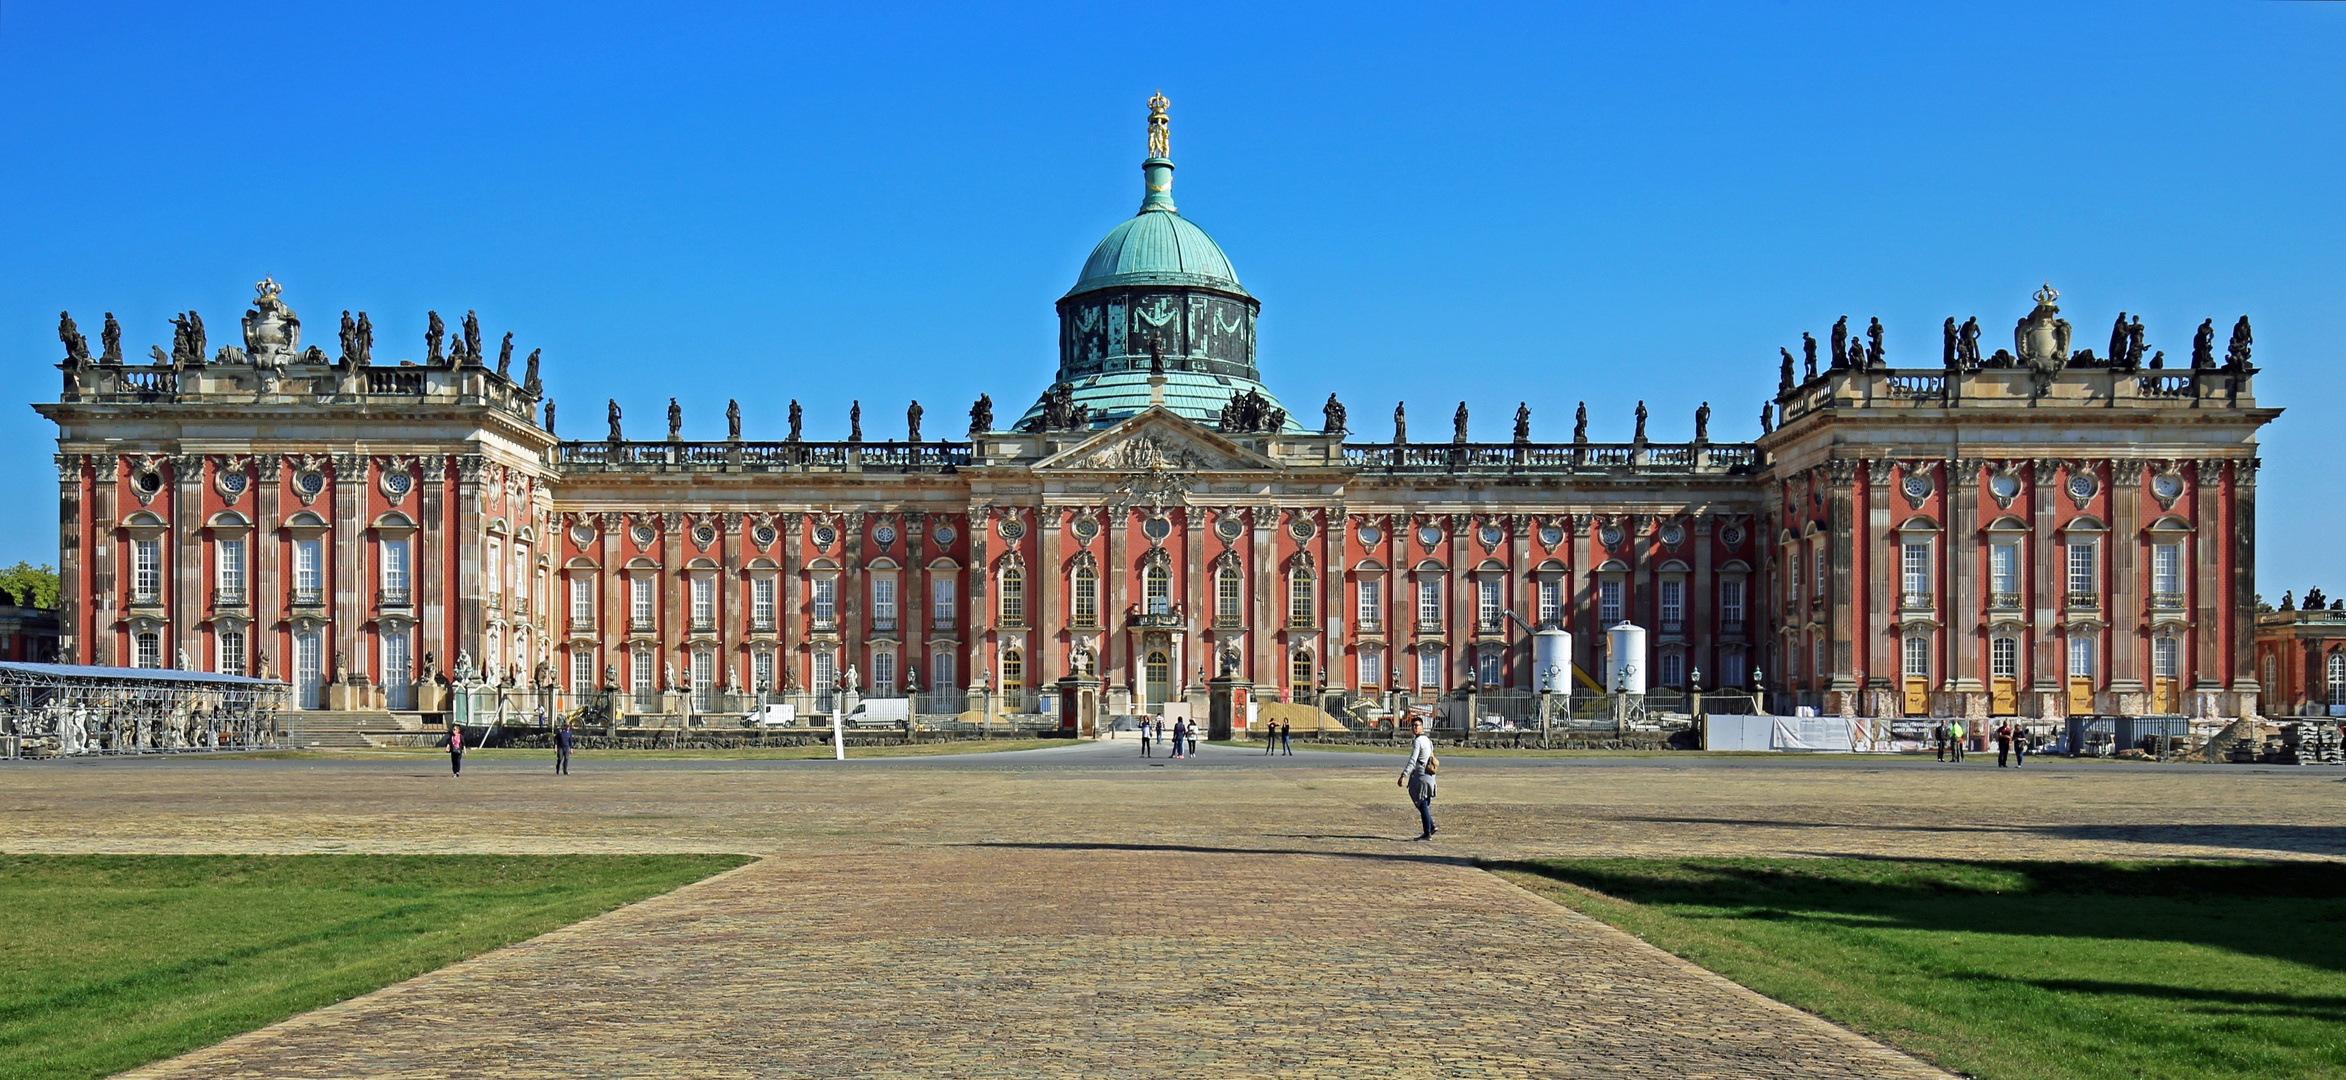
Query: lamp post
1758, 687
1694, 708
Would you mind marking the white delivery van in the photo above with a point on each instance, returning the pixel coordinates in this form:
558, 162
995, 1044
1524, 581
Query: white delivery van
881, 712
772, 716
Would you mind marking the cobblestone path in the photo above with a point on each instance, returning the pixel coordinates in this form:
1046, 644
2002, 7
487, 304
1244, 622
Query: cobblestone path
1048, 962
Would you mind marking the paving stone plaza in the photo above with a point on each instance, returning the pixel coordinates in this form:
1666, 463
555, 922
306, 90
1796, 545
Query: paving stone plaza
1079, 911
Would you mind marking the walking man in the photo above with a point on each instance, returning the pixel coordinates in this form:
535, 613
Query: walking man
1418, 777
1939, 736
2019, 746
1144, 736
455, 750
1180, 731
562, 750
2003, 745
1955, 734
1287, 738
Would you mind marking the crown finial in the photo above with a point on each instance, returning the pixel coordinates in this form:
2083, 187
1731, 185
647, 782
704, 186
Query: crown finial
2048, 294
1158, 125
268, 287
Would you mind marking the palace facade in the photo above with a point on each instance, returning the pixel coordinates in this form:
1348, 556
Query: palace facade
2037, 533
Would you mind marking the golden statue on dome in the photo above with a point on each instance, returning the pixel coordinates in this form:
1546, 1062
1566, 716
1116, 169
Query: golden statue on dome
1158, 125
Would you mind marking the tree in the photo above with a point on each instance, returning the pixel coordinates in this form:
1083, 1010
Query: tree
29, 585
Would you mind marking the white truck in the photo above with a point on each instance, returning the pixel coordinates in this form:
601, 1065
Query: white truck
765, 716
881, 712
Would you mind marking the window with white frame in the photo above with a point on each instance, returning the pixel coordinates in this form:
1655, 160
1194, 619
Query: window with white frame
1429, 669
1816, 657
2167, 575
639, 601
2166, 657
2081, 569
2081, 657
761, 671
884, 601
1609, 601
395, 570
1819, 578
1670, 668
582, 668
1487, 605
704, 680
398, 668
493, 568
2336, 677
2004, 575
1084, 596
230, 660
582, 600
1013, 597
1227, 609
1551, 601
826, 673
941, 673
1487, 667
704, 601
1915, 650
520, 577
1673, 596
309, 660
2004, 657
309, 572
1303, 607
1300, 671
1914, 574
883, 670
1371, 593
1731, 604
1429, 601
944, 589
1013, 671
1372, 669
640, 675
826, 601
1156, 585
228, 560
761, 602
1732, 669
1792, 578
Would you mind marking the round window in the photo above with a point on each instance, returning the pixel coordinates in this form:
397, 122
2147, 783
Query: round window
2004, 485
825, 536
1491, 535
308, 483
2081, 487
945, 535
1085, 528
1013, 529
1370, 535
1917, 486
763, 535
704, 535
581, 535
1156, 528
1302, 528
885, 534
2166, 487
398, 483
1429, 536
1550, 536
643, 536
232, 483
1672, 535
1730, 536
1228, 528
1610, 535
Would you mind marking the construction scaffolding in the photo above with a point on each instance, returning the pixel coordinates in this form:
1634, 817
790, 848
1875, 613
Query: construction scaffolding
63, 710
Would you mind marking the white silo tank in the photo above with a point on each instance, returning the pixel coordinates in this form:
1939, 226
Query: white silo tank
1627, 655
1551, 661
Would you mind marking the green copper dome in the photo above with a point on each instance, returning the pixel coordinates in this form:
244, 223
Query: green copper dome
1158, 247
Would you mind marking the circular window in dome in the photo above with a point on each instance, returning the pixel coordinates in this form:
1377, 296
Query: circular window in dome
884, 535
945, 535
1370, 535
1429, 536
1085, 528
1156, 528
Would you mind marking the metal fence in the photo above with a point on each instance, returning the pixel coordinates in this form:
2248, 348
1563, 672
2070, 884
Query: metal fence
71, 709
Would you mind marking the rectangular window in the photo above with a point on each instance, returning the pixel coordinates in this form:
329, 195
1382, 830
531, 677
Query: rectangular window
1914, 564
1731, 604
2004, 575
231, 658
704, 601
639, 602
1226, 598
826, 590
395, 575
941, 601
941, 671
1372, 603
1732, 671
704, 680
1302, 601
883, 671
1487, 668
2004, 658
1917, 653
1609, 602
230, 557
1085, 600
884, 602
2167, 571
1429, 601
398, 670
1792, 579
1551, 601
493, 569
146, 570
1372, 669
2081, 569
761, 672
582, 669
639, 675
2081, 657
1429, 669
826, 673
1157, 588
1486, 603
761, 603
146, 650
309, 648
1672, 670
1819, 579
1673, 604
1013, 597
582, 600
309, 576
1816, 658
2166, 657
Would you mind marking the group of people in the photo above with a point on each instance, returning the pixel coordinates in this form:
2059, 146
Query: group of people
1184, 736
1279, 738
2011, 742
563, 738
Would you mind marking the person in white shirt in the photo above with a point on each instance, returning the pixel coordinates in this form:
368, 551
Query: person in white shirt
1418, 777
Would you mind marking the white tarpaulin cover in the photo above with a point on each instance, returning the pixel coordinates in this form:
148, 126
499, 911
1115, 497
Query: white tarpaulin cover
1722, 731
1812, 733
1727, 731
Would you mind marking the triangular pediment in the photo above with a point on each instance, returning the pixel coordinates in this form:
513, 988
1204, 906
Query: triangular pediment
1157, 440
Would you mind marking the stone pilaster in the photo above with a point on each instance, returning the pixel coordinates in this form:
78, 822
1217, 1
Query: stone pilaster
1051, 596
2209, 536
184, 549
347, 577
790, 621
1966, 610
2129, 667
466, 545
1879, 660
1841, 591
1700, 631
2241, 612
2049, 577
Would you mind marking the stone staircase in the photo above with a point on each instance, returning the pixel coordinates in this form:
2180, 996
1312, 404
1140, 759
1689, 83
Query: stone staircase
331, 730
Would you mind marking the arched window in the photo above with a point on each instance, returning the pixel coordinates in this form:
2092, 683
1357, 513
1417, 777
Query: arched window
1085, 594
1299, 670
1302, 610
1226, 596
2337, 679
1013, 597
1013, 671
1157, 583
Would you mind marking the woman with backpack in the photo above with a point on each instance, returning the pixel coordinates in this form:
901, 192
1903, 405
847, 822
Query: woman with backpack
1418, 777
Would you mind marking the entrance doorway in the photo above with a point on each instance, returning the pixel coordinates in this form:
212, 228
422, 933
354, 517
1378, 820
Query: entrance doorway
1157, 678
2004, 676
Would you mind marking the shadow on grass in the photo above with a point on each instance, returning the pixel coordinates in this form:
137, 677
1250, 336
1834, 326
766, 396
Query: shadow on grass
2294, 839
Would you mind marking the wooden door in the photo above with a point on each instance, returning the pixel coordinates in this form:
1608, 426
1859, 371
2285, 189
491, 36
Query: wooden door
2163, 695
2004, 697
1918, 697
2080, 695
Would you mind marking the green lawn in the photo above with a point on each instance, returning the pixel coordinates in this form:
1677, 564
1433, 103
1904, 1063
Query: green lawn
2012, 970
107, 962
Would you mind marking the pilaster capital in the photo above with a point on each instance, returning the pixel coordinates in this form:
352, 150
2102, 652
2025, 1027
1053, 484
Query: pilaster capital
2125, 472
69, 468
1264, 517
2244, 471
2211, 470
350, 466
187, 468
1841, 470
470, 468
2043, 470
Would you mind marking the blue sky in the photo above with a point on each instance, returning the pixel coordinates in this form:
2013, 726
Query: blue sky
1543, 203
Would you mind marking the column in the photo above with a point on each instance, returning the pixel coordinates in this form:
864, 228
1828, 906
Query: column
268, 582
1051, 525
2047, 578
981, 605
74, 600
431, 559
791, 618
1959, 568
467, 562
186, 552
2208, 542
1876, 645
912, 620
732, 605
2128, 671
347, 577
1265, 615
1700, 632
2240, 614
1523, 599
1334, 612
1462, 601
1845, 562
105, 642
1194, 587
855, 601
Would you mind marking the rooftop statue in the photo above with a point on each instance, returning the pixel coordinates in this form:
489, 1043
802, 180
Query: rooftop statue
2158, 360
675, 421
1808, 351
1249, 412
2203, 346
797, 420
2134, 345
505, 358
912, 415
2118, 341
529, 379
1059, 411
187, 340
1947, 346
1159, 127
1702, 423
2236, 355
981, 415
111, 337
348, 337
1840, 345
732, 419
2042, 340
472, 339
272, 333
77, 347
1767, 417
1873, 345
434, 330
855, 421
1640, 437
1458, 424
1400, 422
549, 416
1784, 375
1522, 421
615, 435
1580, 423
1967, 344
1332, 417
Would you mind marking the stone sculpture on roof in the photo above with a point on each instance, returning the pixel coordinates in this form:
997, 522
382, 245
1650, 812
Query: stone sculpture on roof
1332, 417
1250, 412
981, 414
